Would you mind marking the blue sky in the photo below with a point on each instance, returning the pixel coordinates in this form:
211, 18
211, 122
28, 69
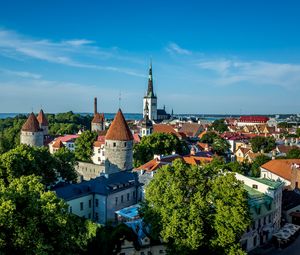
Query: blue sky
234, 57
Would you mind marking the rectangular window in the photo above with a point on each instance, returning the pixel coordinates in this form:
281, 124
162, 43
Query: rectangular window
96, 216
116, 200
96, 202
89, 215
269, 218
122, 199
254, 186
98, 150
70, 209
81, 206
128, 196
114, 144
90, 203
258, 210
254, 241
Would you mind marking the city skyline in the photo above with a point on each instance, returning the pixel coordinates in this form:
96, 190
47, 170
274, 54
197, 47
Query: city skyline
222, 58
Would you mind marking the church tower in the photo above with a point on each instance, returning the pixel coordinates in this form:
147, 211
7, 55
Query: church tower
98, 120
147, 127
31, 133
150, 98
118, 146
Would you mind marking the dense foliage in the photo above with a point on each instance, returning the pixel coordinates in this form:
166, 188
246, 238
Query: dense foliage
35, 221
260, 143
197, 209
84, 146
26, 160
257, 163
10, 129
68, 123
219, 126
293, 153
219, 145
157, 143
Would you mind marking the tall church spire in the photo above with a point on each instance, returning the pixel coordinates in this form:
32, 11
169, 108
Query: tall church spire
150, 92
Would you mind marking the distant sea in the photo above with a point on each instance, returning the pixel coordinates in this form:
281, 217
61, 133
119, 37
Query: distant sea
138, 116
131, 116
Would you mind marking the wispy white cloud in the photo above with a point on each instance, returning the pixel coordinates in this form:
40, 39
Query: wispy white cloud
68, 53
230, 71
22, 74
174, 48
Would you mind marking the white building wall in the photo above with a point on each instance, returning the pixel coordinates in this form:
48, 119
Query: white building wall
264, 173
152, 106
98, 157
86, 211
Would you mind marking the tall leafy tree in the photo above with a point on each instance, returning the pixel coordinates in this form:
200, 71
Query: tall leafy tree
293, 153
27, 160
219, 125
33, 221
65, 164
157, 143
259, 143
196, 210
84, 146
257, 163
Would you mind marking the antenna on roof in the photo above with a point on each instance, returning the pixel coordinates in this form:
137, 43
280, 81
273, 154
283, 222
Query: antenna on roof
120, 98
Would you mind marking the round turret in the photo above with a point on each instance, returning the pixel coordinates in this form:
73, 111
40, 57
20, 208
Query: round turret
31, 133
43, 122
118, 146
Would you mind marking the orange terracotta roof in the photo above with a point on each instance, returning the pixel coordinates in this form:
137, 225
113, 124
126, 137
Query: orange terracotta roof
42, 118
57, 144
203, 145
31, 124
244, 150
286, 148
164, 128
119, 129
98, 143
281, 167
98, 118
191, 129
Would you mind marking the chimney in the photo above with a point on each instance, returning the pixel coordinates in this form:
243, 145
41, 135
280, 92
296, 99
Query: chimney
95, 105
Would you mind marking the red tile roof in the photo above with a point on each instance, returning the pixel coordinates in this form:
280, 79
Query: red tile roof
119, 130
258, 119
31, 124
98, 143
167, 129
281, 167
67, 138
42, 118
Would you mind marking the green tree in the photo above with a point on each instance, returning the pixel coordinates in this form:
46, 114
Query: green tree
84, 146
33, 221
258, 161
157, 143
293, 153
27, 160
65, 164
209, 137
259, 143
196, 209
219, 126
220, 146
298, 132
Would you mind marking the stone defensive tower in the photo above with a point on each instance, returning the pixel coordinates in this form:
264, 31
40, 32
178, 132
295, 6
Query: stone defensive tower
118, 146
43, 122
31, 133
98, 122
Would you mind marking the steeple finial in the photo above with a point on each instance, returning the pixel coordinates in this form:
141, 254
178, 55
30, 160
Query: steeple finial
150, 92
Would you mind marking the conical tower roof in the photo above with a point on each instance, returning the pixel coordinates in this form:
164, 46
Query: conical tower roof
119, 130
42, 118
31, 124
98, 118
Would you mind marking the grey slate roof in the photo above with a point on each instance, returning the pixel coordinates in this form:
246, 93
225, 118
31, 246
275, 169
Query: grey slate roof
100, 185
